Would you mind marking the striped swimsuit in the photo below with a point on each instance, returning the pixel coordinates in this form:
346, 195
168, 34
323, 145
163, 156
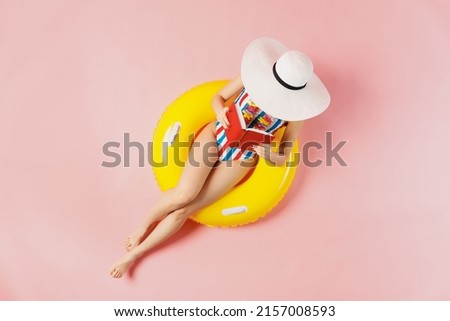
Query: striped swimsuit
254, 118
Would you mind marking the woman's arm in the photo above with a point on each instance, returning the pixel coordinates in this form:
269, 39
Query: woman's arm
223, 95
287, 142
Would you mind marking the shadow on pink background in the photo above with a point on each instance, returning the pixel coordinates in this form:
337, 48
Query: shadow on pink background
76, 75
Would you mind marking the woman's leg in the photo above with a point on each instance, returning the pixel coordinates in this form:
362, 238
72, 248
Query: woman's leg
221, 180
201, 160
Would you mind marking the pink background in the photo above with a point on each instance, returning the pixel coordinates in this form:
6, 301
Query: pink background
77, 74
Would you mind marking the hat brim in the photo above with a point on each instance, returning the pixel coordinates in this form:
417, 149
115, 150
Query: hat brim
272, 97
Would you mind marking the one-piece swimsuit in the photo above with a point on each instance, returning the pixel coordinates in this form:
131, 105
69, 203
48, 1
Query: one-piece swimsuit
254, 118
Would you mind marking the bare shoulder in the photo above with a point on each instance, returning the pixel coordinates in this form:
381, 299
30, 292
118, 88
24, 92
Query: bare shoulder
295, 125
292, 130
234, 86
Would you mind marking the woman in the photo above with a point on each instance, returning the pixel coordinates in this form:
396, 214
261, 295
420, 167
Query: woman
277, 88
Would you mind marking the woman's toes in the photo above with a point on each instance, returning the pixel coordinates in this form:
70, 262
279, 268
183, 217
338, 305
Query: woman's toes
131, 245
128, 244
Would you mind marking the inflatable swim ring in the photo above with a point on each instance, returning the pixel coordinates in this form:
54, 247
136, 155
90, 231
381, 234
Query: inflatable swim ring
247, 201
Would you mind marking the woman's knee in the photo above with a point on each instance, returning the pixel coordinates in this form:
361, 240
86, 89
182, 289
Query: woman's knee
183, 196
180, 214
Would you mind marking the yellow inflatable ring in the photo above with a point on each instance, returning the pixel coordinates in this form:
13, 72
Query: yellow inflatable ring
246, 202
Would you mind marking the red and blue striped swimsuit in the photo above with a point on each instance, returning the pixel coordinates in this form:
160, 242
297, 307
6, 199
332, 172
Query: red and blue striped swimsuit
254, 118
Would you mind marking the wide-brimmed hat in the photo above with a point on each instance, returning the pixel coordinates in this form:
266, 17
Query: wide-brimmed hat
281, 81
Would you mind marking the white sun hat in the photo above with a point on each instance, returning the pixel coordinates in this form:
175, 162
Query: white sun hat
281, 81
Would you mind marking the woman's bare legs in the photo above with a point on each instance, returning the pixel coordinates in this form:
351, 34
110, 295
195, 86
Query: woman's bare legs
191, 181
221, 180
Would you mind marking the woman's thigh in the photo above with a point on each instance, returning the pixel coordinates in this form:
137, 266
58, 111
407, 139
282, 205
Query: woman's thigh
201, 160
220, 181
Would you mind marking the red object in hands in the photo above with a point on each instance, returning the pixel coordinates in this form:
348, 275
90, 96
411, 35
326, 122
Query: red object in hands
239, 136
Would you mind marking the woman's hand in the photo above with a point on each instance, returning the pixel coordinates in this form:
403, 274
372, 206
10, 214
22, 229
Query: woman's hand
219, 99
286, 144
266, 152
221, 116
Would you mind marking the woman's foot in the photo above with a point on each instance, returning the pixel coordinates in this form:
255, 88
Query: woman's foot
121, 266
134, 239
